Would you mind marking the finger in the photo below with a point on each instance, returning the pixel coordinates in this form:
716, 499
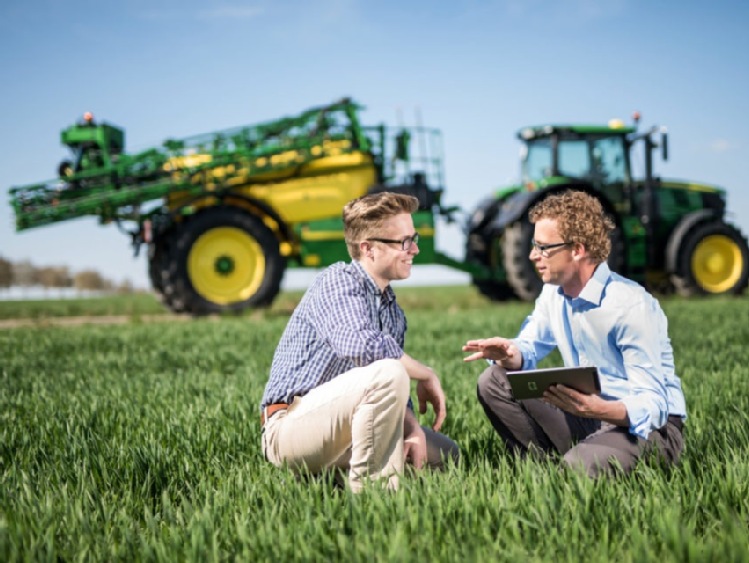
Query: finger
472, 357
407, 446
441, 414
422, 405
417, 461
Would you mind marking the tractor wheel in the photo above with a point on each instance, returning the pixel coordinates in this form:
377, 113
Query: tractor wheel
483, 248
223, 259
618, 255
521, 272
494, 290
713, 259
159, 260
486, 250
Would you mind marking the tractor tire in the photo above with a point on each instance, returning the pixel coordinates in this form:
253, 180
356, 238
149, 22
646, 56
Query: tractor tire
494, 290
483, 248
159, 260
617, 260
713, 259
222, 259
521, 272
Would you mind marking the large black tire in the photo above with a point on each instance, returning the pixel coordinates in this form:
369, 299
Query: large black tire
222, 259
516, 249
159, 260
484, 248
713, 258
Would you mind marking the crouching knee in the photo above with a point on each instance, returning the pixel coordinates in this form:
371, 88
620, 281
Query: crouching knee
392, 375
492, 384
593, 462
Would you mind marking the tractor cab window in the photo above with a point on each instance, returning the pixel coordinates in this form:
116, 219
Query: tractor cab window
574, 158
599, 160
608, 160
536, 159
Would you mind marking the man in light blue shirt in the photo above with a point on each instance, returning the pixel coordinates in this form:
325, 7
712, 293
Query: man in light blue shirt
595, 318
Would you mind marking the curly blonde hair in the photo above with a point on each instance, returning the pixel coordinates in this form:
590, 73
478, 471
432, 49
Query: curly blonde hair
363, 217
580, 219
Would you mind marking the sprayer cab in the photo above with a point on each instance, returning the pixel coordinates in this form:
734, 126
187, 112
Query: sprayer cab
92, 145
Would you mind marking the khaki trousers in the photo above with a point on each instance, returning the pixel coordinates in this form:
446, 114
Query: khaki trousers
354, 423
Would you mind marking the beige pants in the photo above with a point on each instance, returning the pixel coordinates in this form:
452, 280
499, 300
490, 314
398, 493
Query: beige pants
353, 422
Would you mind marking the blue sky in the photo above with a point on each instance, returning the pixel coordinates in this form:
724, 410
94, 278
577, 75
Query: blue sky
477, 70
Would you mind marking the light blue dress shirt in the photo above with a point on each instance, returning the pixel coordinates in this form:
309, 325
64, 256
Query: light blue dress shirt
617, 326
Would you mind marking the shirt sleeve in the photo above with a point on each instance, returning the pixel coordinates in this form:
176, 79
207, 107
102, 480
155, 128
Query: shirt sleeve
536, 339
344, 323
639, 335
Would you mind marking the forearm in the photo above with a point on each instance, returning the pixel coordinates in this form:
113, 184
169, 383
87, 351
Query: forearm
614, 412
415, 369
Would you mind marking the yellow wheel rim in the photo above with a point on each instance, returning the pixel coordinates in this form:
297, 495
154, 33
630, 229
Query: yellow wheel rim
226, 265
717, 263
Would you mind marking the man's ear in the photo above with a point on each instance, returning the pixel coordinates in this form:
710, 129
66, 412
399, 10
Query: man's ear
578, 251
365, 248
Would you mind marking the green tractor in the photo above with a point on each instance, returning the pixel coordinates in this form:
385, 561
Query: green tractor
670, 235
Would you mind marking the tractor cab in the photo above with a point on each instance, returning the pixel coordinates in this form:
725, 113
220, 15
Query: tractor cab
597, 157
591, 154
92, 146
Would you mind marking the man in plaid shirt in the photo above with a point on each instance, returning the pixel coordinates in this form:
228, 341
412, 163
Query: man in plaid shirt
338, 393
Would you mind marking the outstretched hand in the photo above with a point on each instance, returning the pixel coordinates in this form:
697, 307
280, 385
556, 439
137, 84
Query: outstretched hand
496, 348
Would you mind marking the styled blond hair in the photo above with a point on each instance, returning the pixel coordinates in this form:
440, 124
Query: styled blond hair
580, 219
363, 217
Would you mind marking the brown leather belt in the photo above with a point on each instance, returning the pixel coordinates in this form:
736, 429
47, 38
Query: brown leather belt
270, 410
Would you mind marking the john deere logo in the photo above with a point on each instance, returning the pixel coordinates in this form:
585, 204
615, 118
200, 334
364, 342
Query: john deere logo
532, 385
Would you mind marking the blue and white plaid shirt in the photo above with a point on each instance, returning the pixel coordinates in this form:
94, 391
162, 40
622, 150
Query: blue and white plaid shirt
342, 322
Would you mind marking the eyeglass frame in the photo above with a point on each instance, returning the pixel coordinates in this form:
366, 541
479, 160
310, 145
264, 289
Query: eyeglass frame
543, 249
406, 242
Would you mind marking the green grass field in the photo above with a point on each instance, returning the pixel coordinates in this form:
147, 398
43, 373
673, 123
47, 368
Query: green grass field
141, 442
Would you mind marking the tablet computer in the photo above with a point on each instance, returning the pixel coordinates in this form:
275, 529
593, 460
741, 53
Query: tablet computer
531, 383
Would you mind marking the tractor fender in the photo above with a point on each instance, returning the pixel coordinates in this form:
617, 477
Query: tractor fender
250, 204
684, 226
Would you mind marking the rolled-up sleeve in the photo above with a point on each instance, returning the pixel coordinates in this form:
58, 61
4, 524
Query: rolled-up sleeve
638, 337
536, 338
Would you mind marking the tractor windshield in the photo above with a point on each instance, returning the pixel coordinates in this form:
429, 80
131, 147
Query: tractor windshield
596, 159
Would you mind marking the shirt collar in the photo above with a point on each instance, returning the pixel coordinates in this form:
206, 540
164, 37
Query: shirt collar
387, 295
593, 290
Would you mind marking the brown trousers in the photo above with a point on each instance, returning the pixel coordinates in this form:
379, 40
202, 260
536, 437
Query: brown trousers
588, 445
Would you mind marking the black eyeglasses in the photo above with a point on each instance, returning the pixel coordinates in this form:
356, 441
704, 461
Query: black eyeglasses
406, 242
543, 249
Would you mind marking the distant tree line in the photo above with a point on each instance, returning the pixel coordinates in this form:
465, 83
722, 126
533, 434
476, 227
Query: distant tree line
25, 274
